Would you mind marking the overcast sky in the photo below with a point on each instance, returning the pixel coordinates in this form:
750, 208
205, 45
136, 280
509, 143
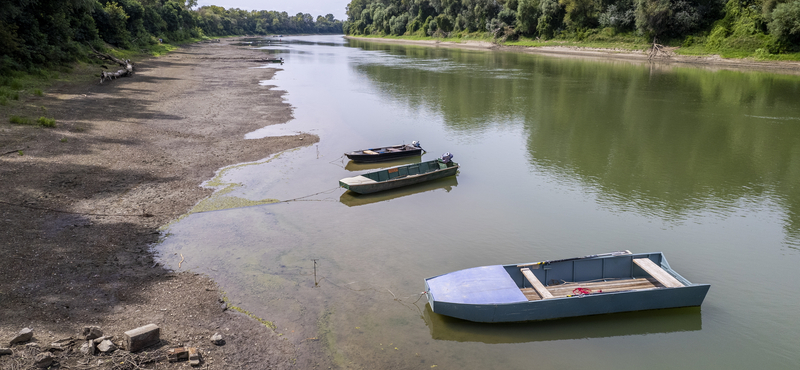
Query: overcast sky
313, 7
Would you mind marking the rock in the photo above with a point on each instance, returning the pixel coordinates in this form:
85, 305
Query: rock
6, 351
217, 339
92, 332
101, 339
88, 347
23, 336
106, 346
194, 356
142, 337
43, 360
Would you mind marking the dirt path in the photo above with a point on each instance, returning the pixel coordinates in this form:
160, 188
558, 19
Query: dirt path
81, 205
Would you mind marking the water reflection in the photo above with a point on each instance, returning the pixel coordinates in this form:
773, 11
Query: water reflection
600, 326
664, 142
353, 166
352, 199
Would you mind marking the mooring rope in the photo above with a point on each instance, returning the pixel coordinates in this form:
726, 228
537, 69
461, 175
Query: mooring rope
147, 214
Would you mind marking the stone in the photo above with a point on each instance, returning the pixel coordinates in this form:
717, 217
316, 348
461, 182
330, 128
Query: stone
101, 339
23, 336
92, 332
217, 339
194, 356
178, 354
106, 346
6, 351
142, 337
43, 360
88, 347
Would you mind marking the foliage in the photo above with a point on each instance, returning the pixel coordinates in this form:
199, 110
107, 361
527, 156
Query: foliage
18, 120
46, 122
38, 34
785, 24
727, 27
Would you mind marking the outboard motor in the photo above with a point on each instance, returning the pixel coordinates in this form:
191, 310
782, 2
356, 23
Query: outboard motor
415, 143
447, 157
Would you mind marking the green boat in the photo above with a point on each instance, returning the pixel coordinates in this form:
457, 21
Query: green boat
400, 176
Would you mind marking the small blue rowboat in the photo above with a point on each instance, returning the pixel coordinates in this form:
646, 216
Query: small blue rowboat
590, 285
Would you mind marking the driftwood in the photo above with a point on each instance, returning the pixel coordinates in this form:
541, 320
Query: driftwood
125, 64
658, 50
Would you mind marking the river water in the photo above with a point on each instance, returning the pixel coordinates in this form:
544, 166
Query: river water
560, 157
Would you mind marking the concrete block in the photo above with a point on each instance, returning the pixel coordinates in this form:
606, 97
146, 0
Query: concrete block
142, 337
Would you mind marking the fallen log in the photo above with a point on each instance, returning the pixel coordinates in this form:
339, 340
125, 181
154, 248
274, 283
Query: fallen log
126, 64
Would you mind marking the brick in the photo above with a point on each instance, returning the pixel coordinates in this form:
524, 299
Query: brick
142, 337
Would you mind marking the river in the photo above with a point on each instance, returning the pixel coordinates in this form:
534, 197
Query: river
560, 157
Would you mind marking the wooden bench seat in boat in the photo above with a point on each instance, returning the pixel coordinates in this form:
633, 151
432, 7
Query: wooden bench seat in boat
657, 272
536, 284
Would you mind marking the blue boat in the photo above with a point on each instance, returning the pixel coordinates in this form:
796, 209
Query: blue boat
582, 286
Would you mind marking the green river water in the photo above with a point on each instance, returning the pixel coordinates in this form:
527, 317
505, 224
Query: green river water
560, 157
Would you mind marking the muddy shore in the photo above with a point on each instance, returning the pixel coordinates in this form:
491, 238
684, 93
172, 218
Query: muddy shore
712, 62
81, 205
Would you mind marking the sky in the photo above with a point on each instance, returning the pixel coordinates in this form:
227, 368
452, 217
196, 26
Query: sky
313, 7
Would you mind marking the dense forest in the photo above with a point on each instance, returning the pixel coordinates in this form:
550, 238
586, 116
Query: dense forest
770, 26
46, 33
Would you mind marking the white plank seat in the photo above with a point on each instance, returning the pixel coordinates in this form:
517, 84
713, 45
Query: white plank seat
657, 273
535, 283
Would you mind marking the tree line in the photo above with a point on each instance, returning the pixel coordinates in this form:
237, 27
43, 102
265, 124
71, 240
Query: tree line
37, 33
773, 25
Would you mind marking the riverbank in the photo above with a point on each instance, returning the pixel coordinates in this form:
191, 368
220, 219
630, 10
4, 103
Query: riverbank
82, 204
709, 62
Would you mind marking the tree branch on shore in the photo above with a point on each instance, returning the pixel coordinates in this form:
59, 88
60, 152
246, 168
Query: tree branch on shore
126, 64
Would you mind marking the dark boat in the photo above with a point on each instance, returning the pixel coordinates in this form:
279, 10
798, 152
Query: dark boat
399, 176
386, 153
591, 285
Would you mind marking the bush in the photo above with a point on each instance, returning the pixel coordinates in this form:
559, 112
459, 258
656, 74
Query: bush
46, 122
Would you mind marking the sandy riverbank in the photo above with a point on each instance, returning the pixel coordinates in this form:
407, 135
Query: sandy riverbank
81, 205
714, 62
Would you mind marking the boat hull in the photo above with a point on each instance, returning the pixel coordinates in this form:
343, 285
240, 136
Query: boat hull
405, 176
448, 299
575, 306
361, 157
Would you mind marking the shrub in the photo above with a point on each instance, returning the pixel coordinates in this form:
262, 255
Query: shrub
46, 122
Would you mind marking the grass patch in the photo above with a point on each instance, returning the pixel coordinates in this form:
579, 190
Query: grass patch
46, 122
63, 140
42, 121
38, 92
19, 120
